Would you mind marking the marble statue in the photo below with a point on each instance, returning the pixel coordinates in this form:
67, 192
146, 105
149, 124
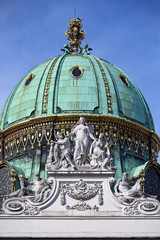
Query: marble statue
127, 190
100, 154
82, 136
60, 150
39, 192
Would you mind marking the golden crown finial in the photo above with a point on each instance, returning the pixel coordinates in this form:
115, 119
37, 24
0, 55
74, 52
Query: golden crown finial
75, 35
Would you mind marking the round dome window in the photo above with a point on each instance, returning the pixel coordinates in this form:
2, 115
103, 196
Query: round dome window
76, 71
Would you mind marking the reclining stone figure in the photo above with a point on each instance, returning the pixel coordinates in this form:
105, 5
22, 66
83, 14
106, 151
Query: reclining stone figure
127, 190
40, 191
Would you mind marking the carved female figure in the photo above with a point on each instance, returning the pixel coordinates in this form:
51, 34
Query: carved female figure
82, 137
98, 152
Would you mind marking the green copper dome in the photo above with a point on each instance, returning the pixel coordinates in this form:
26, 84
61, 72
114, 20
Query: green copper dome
76, 83
51, 97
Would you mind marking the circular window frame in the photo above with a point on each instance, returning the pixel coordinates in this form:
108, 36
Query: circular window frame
80, 68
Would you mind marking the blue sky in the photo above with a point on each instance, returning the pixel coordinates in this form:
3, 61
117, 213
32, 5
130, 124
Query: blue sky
124, 32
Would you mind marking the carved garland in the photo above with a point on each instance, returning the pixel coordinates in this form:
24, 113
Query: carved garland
81, 191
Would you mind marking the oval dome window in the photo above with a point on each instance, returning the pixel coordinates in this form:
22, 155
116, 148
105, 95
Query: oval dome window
76, 71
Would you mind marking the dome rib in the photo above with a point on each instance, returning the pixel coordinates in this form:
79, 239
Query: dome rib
56, 84
36, 103
107, 87
90, 60
119, 105
47, 85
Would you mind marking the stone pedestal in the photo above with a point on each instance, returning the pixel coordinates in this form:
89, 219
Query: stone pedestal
81, 204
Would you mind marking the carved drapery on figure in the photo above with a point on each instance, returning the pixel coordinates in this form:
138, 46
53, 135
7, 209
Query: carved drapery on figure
100, 155
82, 136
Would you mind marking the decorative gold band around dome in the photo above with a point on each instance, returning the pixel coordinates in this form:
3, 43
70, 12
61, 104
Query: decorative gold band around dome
109, 102
125, 134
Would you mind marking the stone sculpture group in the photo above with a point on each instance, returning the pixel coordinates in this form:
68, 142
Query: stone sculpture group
80, 148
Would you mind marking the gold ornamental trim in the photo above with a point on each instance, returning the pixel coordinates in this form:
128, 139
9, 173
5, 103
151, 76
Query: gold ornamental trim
109, 101
142, 171
128, 135
4, 163
45, 97
74, 117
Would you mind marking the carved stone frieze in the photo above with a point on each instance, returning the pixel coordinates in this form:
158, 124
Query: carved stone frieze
81, 191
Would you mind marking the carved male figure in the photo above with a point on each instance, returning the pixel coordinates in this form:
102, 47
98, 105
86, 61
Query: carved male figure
127, 190
62, 150
123, 184
40, 190
123, 188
